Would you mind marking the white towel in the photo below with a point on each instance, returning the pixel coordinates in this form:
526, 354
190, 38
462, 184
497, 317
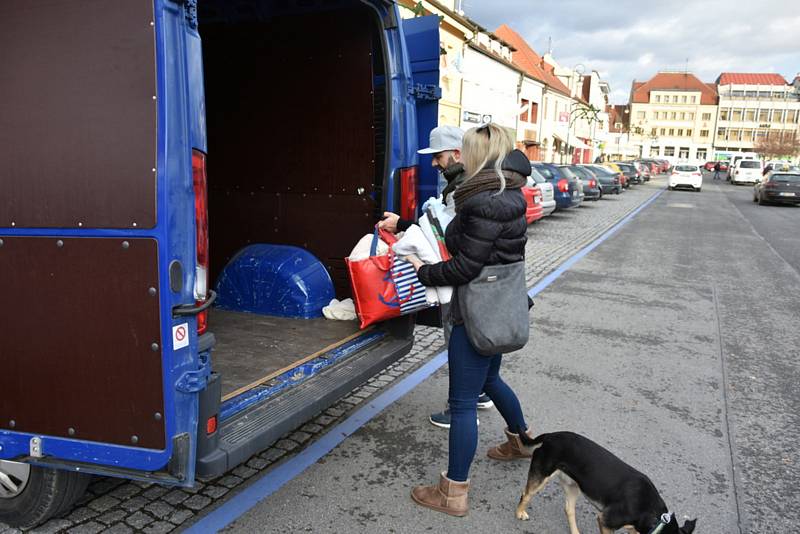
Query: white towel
414, 242
361, 250
340, 311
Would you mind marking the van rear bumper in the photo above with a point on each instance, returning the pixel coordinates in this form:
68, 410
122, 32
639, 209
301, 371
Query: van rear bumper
252, 431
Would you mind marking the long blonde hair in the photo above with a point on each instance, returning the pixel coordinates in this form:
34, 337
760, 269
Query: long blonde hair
484, 144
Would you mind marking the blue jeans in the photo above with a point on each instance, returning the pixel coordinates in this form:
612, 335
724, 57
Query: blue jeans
471, 373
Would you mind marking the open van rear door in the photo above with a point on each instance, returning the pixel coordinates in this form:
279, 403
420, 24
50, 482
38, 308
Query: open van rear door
423, 46
95, 373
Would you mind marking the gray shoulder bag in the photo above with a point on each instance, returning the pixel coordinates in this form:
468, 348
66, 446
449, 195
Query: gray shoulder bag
494, 307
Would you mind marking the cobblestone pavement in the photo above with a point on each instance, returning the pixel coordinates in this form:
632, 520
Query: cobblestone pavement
120, 506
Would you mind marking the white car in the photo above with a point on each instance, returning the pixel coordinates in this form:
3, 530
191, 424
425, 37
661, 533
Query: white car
548, 195
746, 171
685, 175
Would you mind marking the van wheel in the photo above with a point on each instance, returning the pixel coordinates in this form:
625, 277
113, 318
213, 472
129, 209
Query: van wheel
31, 495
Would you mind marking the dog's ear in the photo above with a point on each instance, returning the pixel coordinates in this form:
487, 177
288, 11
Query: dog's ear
688, 526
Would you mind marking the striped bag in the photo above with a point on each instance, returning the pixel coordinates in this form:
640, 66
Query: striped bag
410, 291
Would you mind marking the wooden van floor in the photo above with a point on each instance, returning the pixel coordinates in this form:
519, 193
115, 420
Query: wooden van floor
251, 347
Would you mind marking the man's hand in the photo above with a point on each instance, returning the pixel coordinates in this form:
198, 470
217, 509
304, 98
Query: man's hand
389, 222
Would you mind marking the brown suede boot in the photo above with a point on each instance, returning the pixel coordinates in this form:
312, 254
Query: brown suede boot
448, 496
512, 449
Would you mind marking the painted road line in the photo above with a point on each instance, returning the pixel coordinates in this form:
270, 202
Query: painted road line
272, 481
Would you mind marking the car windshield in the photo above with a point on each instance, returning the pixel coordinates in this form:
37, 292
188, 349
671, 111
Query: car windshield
566, 171
538, 178
781, 177
750, 164
603, 171
686, 168
626, 168
547, 173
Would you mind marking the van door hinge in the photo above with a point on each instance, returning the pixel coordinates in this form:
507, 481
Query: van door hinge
194, 381
425, 92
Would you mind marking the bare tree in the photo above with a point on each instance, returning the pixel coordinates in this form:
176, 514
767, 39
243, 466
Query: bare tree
779, 146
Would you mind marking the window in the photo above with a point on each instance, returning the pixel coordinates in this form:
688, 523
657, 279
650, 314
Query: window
733, 135
663, 131
673, 115
640, 115
684, 99
750, 115
654, 151
658, 98
761, 134
680, 132
751, 94
703, 133
684, 153
723, 114
777, 115
694, 99
674, 99
792, 116
683, 115
737, 115
525, 110
654, 132
702, 153
763, 94
672, 132
534, 112
655, 115
721, 132
737, 93
690, 116
763, 115
747, 135
689, 132
706, 116
669, 150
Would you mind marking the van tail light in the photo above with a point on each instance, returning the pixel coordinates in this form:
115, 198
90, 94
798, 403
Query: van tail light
211, 425
200, 185
563, 185
409, 183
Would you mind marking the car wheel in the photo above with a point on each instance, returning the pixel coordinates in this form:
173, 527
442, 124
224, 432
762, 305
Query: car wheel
31, 495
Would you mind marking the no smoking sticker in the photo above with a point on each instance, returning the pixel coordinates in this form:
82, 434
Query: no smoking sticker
180, 336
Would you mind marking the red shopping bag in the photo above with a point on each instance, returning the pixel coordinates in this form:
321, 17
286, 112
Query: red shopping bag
374, 292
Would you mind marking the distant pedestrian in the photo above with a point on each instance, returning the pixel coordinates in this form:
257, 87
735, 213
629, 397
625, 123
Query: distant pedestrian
717, 168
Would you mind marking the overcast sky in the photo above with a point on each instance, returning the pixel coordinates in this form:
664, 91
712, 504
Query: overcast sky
627, 39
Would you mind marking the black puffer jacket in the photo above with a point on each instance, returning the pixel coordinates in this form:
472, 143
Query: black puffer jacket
488, 229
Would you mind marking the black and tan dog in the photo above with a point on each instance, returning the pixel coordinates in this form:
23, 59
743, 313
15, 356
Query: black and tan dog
625, 497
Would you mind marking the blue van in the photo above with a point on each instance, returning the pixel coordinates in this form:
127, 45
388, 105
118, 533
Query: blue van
181, 182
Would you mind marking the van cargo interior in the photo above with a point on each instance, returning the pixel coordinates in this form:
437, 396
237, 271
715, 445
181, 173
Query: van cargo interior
295, 107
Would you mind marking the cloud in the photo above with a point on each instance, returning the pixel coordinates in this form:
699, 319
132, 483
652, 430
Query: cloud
633, 39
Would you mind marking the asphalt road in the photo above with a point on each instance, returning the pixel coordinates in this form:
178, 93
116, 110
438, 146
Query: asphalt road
673, 344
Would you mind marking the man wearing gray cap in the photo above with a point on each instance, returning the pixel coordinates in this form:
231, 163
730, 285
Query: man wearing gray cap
445, 145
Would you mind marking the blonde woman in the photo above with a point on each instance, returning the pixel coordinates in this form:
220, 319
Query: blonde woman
489, 229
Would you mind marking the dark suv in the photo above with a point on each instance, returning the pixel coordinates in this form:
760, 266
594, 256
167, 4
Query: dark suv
567, 187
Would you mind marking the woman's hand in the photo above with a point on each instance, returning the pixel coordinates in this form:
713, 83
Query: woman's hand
389, 222
415, 261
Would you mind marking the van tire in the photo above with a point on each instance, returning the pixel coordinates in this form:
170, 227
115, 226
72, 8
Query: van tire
49, 492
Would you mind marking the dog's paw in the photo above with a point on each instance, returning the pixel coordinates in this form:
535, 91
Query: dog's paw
522, 515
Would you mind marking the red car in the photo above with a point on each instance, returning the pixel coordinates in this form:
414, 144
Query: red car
709, 166
535, 211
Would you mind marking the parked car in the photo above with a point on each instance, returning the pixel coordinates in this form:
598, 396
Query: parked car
623, 179
533, 196
655, 167
566, 185
120, 264
609, 180
778, 188
548, 194
591, 186
685, 175
632, 175
709, 165
645, 170
746, 171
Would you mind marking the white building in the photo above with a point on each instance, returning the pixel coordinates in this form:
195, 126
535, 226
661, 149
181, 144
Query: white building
673, 115
754, 107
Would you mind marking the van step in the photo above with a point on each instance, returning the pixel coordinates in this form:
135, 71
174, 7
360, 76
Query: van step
262, 425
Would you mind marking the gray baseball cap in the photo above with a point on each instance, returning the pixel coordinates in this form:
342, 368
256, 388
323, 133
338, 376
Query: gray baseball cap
444, 138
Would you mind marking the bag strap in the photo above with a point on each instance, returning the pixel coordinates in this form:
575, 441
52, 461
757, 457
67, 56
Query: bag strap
388, 237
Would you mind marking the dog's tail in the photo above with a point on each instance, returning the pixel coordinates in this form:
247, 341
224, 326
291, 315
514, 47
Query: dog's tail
529, 441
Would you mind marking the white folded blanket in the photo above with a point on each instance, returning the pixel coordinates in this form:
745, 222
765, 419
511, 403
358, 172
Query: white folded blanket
423, 244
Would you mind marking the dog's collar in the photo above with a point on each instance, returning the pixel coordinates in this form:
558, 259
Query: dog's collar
663, 522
